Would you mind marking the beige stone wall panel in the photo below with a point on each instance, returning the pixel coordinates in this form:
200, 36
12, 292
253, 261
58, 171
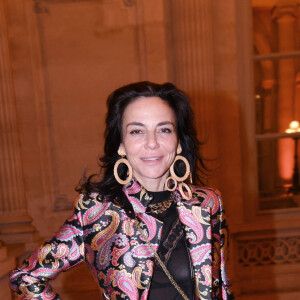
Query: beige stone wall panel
75, 53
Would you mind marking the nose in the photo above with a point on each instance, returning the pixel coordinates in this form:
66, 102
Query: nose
151, 142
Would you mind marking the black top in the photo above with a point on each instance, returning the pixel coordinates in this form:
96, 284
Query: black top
174, 253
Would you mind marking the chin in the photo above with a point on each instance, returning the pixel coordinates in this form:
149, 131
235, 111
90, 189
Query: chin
155, 176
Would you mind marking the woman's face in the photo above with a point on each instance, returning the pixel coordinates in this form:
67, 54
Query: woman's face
149, 140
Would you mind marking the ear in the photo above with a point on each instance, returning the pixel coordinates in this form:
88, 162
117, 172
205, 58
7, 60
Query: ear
121, 150
179, 149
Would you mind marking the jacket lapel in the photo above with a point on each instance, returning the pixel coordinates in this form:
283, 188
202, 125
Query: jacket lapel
143, 254
197, 226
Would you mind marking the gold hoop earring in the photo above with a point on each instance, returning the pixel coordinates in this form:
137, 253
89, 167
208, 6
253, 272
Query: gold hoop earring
117, 177
183, 194
182, 185
187, 168
167, 184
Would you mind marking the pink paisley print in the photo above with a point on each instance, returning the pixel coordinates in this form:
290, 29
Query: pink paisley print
201, 215
187, 218
143, 251
30, 279
133, 189
26, 294
104, 235
94, 213
102, 241
62, 251
201, 253
74, 251
128, 227
128, 260
75, 218
136, 204
208, 232
150, 223
149, 264
107, 279
206, 272
47, 273
48, 293
145, 295
124, 282
103, 255
212, 201
118, 252
43, 253
67, 232
33, 259
136, 277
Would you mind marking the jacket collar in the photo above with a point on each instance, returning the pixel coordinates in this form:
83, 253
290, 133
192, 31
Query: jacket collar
138, 196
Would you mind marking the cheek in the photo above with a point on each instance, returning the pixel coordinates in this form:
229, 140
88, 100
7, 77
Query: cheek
171, 145
132, 148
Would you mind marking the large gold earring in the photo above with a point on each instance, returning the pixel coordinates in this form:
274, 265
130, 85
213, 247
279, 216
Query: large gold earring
175, 178
187, 168
171, 189
182, 186
117, 177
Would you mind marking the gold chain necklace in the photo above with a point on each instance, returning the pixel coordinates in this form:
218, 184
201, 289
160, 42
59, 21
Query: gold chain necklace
160, 207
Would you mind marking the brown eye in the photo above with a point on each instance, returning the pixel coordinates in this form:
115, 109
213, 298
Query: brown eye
166, 130
136, 131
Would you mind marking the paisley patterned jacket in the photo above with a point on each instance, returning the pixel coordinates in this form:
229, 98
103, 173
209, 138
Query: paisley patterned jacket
101, 234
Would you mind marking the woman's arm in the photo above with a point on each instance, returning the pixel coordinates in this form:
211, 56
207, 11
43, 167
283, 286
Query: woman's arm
221, 290
211, 199
64, 251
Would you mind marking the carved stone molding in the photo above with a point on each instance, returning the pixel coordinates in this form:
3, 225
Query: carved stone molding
285, 13
40, 7
271, 251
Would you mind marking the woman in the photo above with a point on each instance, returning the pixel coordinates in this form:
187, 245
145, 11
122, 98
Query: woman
143, 230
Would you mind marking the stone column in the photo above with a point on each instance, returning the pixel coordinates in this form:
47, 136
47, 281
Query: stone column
191, 46
286, 17
15, 223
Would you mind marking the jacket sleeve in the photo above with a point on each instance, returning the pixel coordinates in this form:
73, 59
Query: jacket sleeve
221, 285
62, 252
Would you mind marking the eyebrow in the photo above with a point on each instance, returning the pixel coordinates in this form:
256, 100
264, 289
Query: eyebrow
159, 124
135, 124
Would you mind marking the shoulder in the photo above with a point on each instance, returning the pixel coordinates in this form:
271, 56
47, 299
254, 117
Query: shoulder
207, 198
87, 201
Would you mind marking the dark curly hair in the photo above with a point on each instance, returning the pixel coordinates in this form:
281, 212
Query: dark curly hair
117, 102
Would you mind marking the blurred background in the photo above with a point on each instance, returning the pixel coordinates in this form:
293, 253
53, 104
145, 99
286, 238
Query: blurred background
238, 60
